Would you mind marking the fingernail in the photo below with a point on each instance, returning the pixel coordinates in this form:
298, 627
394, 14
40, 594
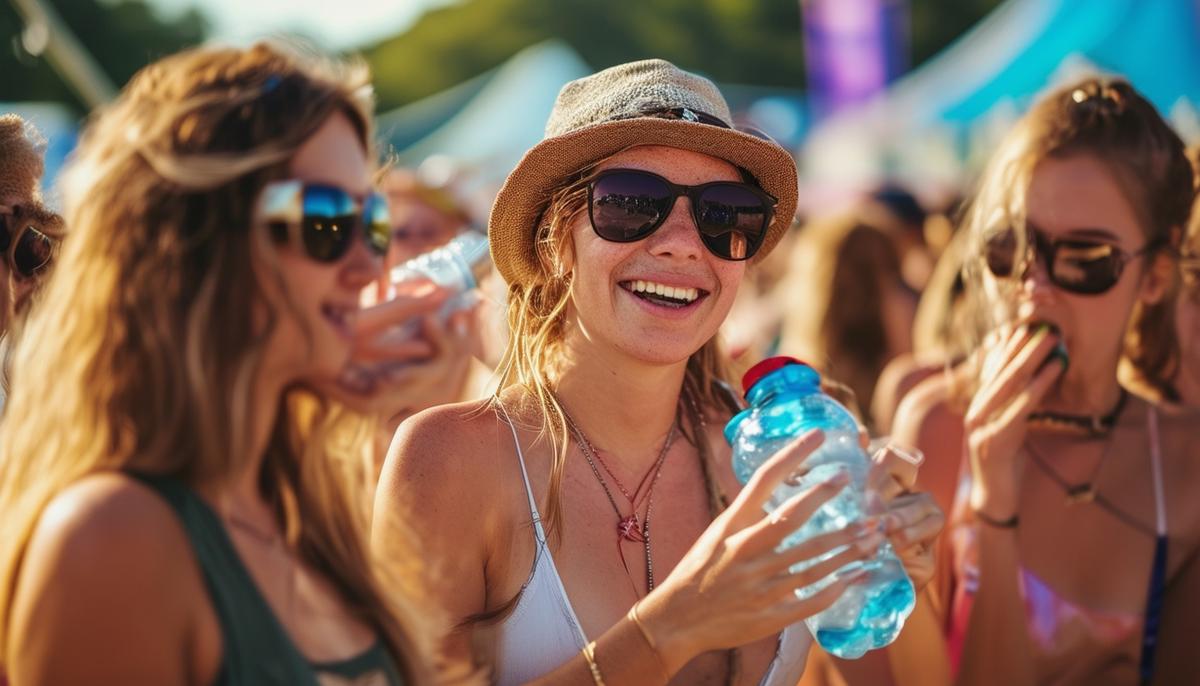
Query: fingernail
836, 482
911, 455
796, 477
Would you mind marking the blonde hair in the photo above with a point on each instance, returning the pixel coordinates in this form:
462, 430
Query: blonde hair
21, 168
940, 324
153, 359
537, 312
1109, 120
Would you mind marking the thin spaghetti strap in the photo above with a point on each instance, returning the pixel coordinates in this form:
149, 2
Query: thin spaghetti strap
533, 509
1158, 570
1160, 505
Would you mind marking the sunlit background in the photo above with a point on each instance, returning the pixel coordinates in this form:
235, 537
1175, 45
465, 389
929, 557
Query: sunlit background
863, 91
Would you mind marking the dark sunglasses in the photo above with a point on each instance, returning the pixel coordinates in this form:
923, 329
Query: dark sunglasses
329, 218
27, 248
627, 205
1081, 266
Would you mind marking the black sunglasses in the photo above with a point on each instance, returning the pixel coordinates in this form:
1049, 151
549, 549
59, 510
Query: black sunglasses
627, 205
328, 217
26, 247
1085, 267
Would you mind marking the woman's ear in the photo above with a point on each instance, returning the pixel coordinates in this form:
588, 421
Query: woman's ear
1160, 279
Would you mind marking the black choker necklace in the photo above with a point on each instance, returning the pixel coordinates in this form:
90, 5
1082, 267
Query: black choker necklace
1095, 425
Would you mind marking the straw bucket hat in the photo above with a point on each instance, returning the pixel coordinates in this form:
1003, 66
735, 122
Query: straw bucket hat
651, 102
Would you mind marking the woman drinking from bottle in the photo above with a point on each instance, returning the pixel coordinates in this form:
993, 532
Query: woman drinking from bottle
177, 505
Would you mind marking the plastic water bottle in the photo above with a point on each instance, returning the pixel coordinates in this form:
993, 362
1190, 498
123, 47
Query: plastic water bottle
457, 266
786, 401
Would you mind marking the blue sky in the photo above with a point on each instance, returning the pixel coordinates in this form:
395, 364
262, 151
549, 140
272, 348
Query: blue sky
336, 24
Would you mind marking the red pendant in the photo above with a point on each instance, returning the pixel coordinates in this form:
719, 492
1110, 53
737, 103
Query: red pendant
630, 529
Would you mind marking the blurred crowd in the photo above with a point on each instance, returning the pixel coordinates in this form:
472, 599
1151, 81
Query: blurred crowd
242, 443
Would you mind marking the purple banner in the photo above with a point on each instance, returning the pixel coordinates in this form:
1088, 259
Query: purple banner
853, 49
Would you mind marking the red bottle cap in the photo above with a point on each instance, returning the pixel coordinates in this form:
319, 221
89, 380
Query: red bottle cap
758, 371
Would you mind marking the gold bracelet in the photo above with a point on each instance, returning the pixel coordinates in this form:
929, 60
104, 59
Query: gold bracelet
589, 654
637, 621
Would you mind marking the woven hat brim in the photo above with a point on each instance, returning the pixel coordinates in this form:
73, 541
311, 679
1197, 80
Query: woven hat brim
523, 198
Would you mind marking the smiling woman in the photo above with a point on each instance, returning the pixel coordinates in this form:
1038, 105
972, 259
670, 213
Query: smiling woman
586, 520
177, 505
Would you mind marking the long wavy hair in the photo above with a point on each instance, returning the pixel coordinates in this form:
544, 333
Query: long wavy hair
142, 354
1109, 120
537, 318
841, 268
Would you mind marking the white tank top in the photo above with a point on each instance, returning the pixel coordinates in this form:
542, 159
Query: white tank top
543, 633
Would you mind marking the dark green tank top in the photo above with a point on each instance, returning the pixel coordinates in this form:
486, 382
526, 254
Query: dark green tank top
257, 649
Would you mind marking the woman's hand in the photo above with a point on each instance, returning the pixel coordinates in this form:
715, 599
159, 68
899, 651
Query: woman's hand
913, 520
734, 587
391, 342
1016, 376
440, 378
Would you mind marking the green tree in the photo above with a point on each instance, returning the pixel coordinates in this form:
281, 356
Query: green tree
730, 40
736, 41
122, 36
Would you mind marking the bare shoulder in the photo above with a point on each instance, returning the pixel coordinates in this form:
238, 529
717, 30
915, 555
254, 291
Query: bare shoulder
108, 523
926, 410
445, 467
929, 420
1177, 420
441, 490
1178, 428
456, 439
108, 579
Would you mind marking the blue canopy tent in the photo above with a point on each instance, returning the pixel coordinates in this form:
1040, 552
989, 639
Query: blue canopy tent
473, 134
942, 120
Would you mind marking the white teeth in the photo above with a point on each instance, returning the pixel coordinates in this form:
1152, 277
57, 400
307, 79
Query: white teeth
673, 292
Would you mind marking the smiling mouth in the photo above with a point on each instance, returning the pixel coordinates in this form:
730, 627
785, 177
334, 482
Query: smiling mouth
662, 294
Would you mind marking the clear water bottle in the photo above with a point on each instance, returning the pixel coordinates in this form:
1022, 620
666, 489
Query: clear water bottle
786, 401
457, 266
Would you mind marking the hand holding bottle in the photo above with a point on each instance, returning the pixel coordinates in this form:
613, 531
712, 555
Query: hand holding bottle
736, 585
